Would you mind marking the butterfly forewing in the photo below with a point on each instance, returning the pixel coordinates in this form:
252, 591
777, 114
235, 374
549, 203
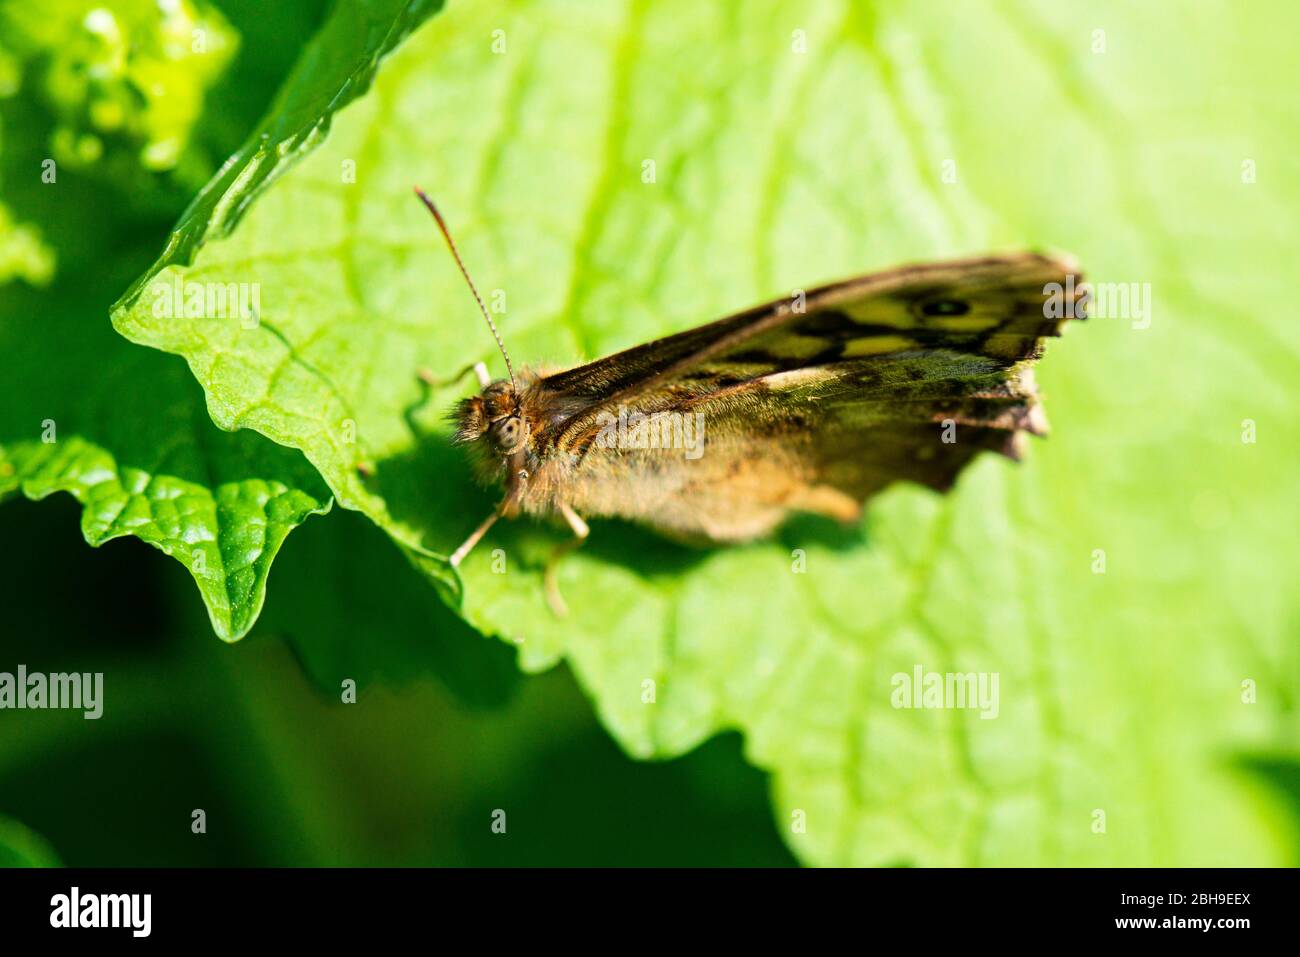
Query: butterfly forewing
915, 345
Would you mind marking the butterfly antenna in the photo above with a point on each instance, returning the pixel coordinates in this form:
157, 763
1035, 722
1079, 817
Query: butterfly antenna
451, 244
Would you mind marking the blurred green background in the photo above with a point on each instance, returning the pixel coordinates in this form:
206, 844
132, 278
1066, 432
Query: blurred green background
1133, 157
409, 775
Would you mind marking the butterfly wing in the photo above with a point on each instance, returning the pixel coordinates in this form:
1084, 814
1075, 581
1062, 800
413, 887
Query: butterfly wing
814, 403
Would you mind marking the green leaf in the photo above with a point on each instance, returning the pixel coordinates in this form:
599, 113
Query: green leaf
125, 432
335, 68
1113, 584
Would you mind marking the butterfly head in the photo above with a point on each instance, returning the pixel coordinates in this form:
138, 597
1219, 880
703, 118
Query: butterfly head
494, 415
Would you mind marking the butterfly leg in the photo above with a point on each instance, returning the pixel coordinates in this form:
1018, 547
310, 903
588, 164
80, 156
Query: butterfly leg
479, 369
429, 382
549, 578
467, 546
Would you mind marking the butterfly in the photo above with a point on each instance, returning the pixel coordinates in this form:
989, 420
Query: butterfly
811, 403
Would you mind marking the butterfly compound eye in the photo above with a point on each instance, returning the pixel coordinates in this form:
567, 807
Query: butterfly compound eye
507, 433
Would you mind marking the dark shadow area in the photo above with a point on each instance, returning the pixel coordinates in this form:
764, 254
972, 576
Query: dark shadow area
350, 605
127, 800
288, 775
63, 600
583, 807
804, 529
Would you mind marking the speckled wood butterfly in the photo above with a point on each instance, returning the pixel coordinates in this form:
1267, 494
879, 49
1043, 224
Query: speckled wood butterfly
806, 404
